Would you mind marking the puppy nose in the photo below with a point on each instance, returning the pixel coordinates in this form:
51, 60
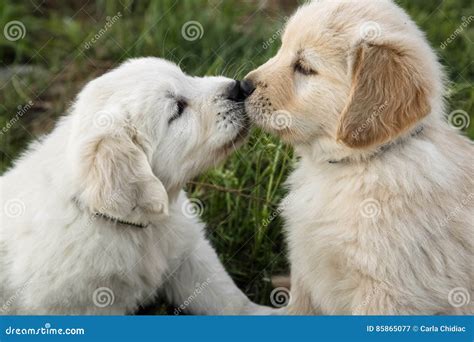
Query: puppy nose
235, 92
247, 87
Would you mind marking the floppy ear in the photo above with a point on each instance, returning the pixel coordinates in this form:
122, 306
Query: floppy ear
389, 95
117, 178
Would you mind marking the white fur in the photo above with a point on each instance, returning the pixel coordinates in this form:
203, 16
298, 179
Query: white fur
115, 153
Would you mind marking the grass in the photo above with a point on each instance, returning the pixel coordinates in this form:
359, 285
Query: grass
241, 195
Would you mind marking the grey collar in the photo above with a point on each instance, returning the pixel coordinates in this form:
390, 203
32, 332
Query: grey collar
117, 220
381, 150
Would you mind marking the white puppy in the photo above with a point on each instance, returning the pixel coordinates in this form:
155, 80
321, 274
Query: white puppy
93, 217
379, 218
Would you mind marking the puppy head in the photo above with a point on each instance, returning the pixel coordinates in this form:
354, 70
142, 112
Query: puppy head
355, 74
144, 129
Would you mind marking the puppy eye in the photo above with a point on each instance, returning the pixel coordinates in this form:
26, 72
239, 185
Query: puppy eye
303, 69
180, 107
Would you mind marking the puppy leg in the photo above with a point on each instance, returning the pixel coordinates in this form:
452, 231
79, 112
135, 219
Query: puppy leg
201, 285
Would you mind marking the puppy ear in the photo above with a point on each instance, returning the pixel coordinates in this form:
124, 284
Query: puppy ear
117, 178
389, 95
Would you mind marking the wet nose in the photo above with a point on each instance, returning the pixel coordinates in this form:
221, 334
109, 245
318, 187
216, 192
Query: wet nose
235, 92
247, 87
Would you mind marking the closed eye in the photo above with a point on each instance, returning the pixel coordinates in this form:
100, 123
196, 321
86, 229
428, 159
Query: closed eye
179, 110
304, 69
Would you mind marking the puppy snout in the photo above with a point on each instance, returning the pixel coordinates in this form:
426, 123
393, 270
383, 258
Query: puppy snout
236, 93
247, 87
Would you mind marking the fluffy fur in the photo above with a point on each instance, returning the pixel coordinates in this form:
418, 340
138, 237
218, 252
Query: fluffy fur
379, 218
133, 137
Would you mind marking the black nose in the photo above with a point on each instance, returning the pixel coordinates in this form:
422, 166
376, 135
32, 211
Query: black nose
247, 87
235, 92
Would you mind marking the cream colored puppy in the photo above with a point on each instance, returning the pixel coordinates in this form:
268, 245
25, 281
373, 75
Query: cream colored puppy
379, 219
93, 216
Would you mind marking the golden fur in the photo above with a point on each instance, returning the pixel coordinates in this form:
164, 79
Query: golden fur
379, 218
